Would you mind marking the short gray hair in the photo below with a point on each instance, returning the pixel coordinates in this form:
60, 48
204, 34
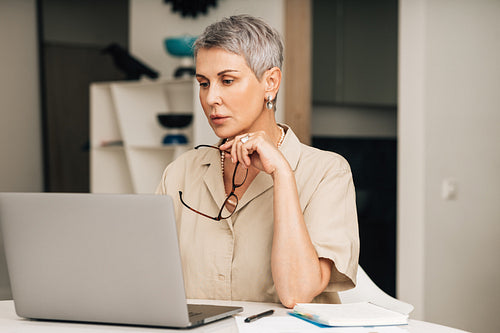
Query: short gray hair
259, 43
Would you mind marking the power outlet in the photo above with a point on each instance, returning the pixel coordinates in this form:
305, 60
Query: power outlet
449, 189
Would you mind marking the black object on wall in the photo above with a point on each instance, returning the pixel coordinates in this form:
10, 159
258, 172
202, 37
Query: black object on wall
191, 7
373, 163
128, 64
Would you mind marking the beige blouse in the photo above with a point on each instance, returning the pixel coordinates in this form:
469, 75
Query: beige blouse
231, 259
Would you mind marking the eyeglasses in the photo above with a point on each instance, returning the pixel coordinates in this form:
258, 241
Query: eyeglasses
231, 202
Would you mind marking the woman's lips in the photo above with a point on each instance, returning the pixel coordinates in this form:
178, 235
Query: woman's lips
218, 120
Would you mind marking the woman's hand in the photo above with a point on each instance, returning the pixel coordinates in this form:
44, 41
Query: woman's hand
258, 151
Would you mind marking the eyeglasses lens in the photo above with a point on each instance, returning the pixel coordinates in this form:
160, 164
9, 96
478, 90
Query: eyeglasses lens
239, 176
229, 206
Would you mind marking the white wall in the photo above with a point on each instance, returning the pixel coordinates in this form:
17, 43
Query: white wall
20, 138
449, 128
152, 21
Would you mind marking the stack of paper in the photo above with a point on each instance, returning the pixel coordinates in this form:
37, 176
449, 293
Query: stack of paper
289, 324
351, 314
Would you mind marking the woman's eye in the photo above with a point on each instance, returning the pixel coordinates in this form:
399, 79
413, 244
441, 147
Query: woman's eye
204, 84
227, 81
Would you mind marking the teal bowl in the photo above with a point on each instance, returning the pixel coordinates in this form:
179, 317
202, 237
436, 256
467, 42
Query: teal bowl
181, 46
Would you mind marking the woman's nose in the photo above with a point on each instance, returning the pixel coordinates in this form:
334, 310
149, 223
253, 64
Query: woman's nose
213, 96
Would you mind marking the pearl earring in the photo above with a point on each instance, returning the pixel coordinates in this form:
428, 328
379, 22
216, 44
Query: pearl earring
269, 104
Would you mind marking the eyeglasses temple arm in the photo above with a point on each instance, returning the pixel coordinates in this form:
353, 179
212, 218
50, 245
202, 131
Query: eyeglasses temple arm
198, 212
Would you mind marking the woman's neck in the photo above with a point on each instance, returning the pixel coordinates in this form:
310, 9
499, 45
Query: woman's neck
266, 123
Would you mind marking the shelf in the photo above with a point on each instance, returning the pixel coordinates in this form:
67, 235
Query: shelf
103, 119
109, 171
160, 147
126, 113
109, 148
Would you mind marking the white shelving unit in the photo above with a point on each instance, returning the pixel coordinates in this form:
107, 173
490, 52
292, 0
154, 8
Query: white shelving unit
127, 153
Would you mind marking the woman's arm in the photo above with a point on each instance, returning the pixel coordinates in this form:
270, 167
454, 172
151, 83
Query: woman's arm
298, 274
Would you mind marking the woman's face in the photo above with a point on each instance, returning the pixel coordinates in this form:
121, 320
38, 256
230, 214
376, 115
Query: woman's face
230, 94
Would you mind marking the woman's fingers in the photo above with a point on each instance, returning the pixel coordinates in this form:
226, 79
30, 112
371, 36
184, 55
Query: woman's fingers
246, 151
242, 146
246, 148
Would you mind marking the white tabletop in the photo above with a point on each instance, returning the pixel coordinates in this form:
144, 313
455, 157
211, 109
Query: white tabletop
10, 322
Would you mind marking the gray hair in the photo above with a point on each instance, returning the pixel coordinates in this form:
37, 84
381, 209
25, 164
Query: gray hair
248, 36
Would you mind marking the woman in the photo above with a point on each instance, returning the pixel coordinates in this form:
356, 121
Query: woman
260, 217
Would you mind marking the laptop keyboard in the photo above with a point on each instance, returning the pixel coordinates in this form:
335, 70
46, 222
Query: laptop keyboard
194, 313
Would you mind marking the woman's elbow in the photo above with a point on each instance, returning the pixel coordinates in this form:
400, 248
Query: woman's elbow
303, 296
289, 301
307, 289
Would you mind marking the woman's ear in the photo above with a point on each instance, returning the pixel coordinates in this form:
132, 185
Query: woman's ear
272, 80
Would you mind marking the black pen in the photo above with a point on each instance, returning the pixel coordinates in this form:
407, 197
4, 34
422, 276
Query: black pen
259, 315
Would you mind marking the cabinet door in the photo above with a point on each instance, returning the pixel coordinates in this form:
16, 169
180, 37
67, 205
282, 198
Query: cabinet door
355, 52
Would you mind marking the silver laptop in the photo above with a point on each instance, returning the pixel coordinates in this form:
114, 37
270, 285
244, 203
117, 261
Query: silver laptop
98, 258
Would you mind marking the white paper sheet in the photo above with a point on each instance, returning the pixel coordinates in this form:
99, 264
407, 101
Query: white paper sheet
289, 324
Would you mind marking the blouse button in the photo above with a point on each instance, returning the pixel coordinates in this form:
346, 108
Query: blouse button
221, 277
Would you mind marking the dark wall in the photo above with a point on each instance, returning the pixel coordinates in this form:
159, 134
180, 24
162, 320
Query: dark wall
72, 35
373, 163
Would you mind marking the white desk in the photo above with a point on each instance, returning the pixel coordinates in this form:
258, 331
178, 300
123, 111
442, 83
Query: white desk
10, 322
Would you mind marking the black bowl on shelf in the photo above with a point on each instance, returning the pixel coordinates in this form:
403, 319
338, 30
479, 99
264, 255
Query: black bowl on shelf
175, 120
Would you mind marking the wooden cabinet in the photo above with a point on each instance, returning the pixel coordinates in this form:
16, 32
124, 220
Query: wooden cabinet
127, 153
355, 52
